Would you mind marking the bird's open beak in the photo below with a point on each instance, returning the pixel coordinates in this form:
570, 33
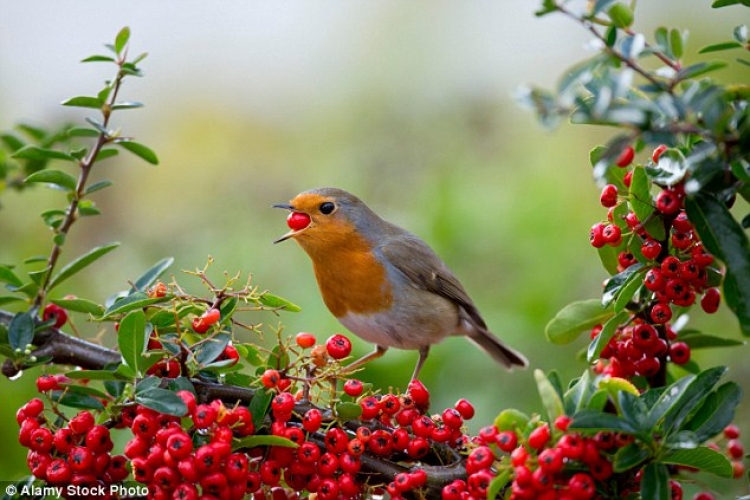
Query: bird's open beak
287, 206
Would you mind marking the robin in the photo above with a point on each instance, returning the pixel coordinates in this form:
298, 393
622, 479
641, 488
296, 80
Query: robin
383, 283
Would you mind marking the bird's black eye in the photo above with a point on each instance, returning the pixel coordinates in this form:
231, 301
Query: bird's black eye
326, 208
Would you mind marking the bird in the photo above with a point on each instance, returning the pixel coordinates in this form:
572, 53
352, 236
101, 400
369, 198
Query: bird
382, 282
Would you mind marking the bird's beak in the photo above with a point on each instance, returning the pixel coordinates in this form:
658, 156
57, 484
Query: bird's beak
286, 206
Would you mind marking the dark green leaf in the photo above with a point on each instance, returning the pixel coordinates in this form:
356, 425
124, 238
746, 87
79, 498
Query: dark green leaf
93, 375
163, 401
56, 177
655, 482
76, 400
629, 288
136, 300
725, 238
608, 331
152, 274
250, 353
140, 150
122, 40
98, 58
21, 331
259, 406
131, 339
574, 319
126, 105
702, 458
699, 340
85, 390
83, 102
632, 407
80, 263
37, 153
106, 153
97, 186
726, 3
684, 399
9, 299
676, 43
549, 396
629, 457
271, 300
719, 47
256, 441
596, 420
641, 203
716, 412
208, 350
608, 257
80, 305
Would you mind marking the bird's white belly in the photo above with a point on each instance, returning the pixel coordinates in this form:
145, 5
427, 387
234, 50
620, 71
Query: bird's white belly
385, 330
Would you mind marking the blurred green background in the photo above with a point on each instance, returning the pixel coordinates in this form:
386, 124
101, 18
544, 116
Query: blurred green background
407, 104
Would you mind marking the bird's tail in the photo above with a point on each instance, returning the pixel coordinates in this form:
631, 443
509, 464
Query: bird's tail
500, 352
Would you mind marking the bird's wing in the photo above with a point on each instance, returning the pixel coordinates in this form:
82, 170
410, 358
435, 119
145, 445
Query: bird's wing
419, 263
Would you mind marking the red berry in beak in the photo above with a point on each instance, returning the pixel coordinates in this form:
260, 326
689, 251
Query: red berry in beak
297, 221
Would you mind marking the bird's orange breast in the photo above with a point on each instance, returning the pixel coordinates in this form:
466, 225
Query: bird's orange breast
350, 277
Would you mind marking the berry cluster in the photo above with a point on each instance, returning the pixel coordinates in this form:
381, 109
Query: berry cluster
75, 453
673, 270
185, 463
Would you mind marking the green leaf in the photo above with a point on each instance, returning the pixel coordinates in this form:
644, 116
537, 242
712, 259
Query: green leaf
208, 350
256, 441
629, 457
139, 150
37, 153
702, 458
82, 132
684, 399
511, 419
136, 300
596, 420
9, 299
716, 412
655, 482
271, 300
122, 40
126, 105
621, 15
608, 331
85, 390
716, 47
498, 483
608, 257
21, 331
76, 400
676, 43
152, 274
700, 68
8, 276
98, 58
131, 339
549, 396
698, 340
56, 177
348, 411
725, 238
81, 262
641, 203
83, 102
106, 153
259, 406
80, 305
621, 288
574, 319
96, 187
163, 401
250, 353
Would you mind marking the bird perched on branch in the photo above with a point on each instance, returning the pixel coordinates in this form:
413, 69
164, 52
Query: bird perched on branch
383, 283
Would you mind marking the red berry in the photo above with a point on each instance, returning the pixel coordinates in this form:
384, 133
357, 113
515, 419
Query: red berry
179, 445
283, 403
297, 221
612, 235
563, 422
202, 323
47, 383
608, 197
507, 441
679, 353
82, 422
353, 387
731, 431
581, 486
204, 416
658, 152
305, 340
189, 399
661, 313
452, 418
465, 409
670, 267
58, 471
711, 300
596, 236
628, 178
338, 346
704, 495
56, 313
735, 449
667, 202
230, 352
626, 157
421, 395
626, 259
270, 378
539, 437
98, 439
312, 420
651, 249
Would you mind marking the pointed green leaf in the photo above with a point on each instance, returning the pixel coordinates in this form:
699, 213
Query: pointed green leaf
97, 186
56, 177
80, 305
574, 319
716, 412
21, 331
106, 153
256, 441
93, 375
259, 406
608, 331
699, 69
596, 420
702, 458
549, 396
131, 338
83, 102
655, 482
716, 47
149, 277
699, 340
134, 301
511, 419
623, 294
641, 203
37, 153
140, 150
629, 457
348, 411
126, 105
76, 400
271, 300
8, 276
98, 58
81, 262
208, 350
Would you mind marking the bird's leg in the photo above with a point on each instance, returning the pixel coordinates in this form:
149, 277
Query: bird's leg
423, 352
379, 351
